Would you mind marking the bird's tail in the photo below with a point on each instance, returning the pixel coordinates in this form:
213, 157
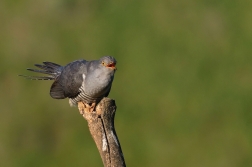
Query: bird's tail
51, 69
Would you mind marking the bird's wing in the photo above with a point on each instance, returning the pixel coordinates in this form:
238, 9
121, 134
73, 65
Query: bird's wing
69, 81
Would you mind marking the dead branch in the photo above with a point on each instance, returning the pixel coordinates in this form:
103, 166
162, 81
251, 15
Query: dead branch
101, 127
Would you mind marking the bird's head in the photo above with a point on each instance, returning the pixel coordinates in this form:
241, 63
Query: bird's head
108, 62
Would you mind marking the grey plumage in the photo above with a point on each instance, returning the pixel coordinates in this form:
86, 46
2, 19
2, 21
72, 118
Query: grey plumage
81, 80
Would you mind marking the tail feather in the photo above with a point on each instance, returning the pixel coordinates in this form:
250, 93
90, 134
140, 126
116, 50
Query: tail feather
51, 64
48, 66
53, 70
39, 71
37, 77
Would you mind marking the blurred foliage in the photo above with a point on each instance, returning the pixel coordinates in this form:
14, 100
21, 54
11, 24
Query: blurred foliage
183, 86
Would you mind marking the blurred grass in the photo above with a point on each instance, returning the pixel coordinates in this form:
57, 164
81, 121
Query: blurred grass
183, 85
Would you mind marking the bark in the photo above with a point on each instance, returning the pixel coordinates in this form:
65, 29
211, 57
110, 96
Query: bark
101, 126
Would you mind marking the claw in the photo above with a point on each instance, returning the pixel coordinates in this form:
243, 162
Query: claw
85, 107
89, 108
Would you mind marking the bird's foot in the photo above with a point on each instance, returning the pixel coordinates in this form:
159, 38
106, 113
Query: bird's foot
81, 107
85, 107
90, 108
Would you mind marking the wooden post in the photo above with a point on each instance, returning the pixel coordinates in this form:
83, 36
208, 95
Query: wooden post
101, 127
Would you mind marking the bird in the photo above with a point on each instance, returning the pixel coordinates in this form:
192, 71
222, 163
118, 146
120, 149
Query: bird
84, 82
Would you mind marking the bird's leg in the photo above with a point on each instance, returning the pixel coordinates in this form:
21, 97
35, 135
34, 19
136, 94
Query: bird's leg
85, 107
81, 107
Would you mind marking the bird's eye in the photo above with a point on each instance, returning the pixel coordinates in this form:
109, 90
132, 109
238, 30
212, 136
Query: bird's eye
103, 63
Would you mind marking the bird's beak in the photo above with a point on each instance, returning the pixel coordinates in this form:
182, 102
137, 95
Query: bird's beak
111, 65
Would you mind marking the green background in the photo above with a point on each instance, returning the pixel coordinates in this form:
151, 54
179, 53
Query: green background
183, 87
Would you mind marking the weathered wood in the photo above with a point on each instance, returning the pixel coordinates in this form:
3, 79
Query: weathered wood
101, 127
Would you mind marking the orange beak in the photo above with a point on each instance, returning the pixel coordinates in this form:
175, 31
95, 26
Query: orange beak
112, 65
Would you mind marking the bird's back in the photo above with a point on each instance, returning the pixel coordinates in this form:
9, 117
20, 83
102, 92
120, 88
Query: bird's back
69, 81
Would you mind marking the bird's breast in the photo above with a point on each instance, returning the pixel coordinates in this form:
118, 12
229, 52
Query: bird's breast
97, 86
